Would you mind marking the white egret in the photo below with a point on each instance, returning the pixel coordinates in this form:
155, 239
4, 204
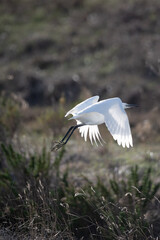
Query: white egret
91, 113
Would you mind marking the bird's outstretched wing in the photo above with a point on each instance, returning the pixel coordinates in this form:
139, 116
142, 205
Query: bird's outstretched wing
117, 123
82, 105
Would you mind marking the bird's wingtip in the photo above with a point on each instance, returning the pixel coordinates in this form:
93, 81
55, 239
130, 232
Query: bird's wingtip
71, 118
68, 113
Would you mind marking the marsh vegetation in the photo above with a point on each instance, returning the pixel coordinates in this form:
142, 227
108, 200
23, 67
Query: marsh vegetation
53, 56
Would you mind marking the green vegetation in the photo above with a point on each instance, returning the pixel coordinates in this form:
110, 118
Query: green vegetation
10, 117
53, 54
38, 200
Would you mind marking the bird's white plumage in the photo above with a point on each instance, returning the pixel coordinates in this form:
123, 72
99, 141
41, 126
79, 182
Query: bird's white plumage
117, 123
93, 132
82, 105
92, 113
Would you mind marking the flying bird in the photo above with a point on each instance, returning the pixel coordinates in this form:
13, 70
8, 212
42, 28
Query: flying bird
91, 113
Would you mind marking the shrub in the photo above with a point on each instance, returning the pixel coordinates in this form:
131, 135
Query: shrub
9, 116
38, 200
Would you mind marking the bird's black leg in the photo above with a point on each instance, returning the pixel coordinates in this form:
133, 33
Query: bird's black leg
59, 144
67, 133
74, 128
56, 145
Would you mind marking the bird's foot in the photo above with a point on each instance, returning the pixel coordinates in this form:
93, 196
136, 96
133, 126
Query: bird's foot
57, 145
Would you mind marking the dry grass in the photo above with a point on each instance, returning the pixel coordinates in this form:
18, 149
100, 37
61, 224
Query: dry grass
40, 201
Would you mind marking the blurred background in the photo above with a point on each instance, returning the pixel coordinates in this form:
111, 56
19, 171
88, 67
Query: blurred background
56, 53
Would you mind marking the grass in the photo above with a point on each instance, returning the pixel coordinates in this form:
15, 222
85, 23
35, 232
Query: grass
10, 117
39, 200
44, 195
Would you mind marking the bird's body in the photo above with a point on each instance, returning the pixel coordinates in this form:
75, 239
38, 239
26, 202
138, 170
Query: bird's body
91, 113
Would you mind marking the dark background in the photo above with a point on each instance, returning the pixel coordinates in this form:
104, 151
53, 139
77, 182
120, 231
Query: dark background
61, 52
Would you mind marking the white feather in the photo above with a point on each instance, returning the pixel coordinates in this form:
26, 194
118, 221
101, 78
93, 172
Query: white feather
92, 113
82, 105
116, 116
